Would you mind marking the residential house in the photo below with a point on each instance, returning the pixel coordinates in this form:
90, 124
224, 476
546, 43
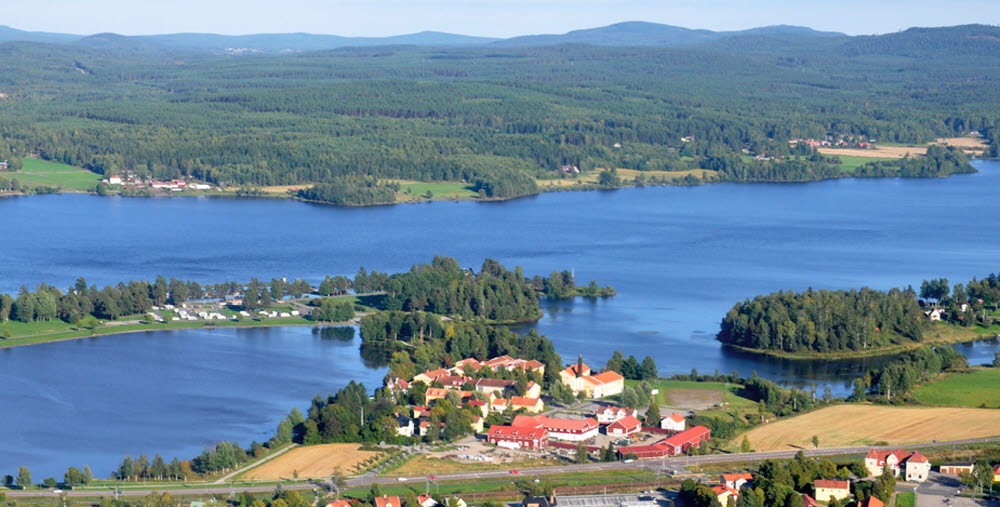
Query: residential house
114, 180
405, 427
421, 411
430, 376
673, 422
611, 413
736, 481
808, 501
871, 502
477, 423
339, 503
494, 386
724, 493
427, 501
387, 501
996, 474
531, 405
934, 314
915, 466
574, 430
499, 405
827, 490
481, 405
539, 501
453, 381
624, 427
534, 390
513, 437
956, 468
436, 393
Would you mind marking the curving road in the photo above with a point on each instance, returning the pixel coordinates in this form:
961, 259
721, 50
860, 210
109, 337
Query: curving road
672, 465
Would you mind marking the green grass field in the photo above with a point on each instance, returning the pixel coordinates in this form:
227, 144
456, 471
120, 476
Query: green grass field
906, 499
37, 172
440, 191
975, 389
850, 163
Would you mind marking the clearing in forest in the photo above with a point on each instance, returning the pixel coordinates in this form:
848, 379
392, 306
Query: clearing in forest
314, 461
859, 425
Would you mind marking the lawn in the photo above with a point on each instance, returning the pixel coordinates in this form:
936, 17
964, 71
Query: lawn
863, 425
410, 191
850, 163
906, 499
979, 388
37, 172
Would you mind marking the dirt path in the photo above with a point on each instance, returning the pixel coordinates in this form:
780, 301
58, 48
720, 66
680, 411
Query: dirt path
265, 459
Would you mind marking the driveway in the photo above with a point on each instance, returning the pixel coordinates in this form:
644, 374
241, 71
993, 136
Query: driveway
940, 491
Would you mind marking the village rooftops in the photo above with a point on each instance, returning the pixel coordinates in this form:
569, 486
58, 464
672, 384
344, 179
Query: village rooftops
387, 501
871, 502
736, 477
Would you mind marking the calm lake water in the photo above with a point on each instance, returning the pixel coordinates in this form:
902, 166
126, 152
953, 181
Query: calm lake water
679, 258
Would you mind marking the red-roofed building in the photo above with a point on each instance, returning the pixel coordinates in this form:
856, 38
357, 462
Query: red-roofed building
560, 429
671, 446
430, 375
673, 422
624, 427
871, 502
453, 381
514, 437
724, 493
827, 490
421, 411
603, 384
387, 501
610, 414
339, 503
499, 405
808, 501
494, 386
482, 406
916, 466
736, 481
681, 442
437, 393
532, 405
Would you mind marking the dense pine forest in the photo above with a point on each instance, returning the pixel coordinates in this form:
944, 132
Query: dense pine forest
825, 321
499, 118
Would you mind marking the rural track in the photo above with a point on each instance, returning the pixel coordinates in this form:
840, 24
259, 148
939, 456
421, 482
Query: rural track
651, 464
259, 462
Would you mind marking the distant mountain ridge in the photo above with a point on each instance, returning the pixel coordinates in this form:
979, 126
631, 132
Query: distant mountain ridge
963, 40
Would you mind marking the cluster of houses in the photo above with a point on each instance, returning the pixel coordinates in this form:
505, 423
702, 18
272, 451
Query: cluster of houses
183, 314
840, 143
909, 466
176, 185
425, 500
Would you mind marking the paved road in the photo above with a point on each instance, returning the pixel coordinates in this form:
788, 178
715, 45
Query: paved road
670, 464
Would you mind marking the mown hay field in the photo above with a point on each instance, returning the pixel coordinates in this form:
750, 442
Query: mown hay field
313, 461
859, 425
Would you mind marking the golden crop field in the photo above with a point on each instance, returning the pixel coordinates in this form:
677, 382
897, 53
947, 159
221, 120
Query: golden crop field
311, 462
854, 425
879, 152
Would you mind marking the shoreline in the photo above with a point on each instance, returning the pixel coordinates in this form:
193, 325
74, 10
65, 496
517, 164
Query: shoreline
862, 354
580, 186
131, 329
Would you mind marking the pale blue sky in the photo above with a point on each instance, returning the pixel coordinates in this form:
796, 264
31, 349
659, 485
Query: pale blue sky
499, 18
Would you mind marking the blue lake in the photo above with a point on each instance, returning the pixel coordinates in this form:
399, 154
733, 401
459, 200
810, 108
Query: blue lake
679, 257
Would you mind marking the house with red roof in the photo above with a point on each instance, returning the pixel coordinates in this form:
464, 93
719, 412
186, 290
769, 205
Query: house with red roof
624, 427
736, 481
603, 384
494, 386
808, 501
611, 413
430, 376
871, 502
532, 405
673, 422
724, 493
499, 404
518, 437
480, 405
670, 446
339, 503
915, 467
827, 490
387, 501
574, 430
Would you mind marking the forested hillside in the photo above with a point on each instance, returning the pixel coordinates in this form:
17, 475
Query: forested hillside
498, 118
